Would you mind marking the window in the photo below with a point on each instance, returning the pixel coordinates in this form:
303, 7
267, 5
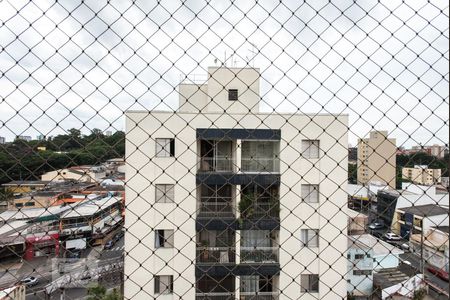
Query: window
309, 283
29, 203
359, 256
232, 95
310, 237
310, 193
164, 284
165, 147
164, 193
164, 238
349, 256
310, 148
362, 272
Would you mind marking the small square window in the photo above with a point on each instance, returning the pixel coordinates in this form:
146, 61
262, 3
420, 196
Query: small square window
310, 193
163, 284
164, 238
309, 283
165, 147
164, 193
310, 238
310, 148
232, 95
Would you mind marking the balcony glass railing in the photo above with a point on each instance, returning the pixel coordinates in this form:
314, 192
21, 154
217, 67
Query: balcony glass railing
216, 164
216, 209
259, 164
259, 254
259, 296
262, 210
222, 255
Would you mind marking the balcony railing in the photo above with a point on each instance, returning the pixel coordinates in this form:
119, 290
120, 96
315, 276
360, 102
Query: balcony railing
214, 296
259, 254
216, 209
264, 209
216, 164
222, 255
259, 296
270, 164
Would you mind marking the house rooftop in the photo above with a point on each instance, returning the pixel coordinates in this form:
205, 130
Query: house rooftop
384, 278
368, 241
427, 210
90, 207
444, 229
26, 182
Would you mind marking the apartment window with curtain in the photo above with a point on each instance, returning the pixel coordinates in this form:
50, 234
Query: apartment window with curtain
310, 238
310, 148
164, 193
310, 193
165, 147
164, 238
163, 284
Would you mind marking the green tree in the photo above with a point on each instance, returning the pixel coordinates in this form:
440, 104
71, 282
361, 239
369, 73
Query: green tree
99, 292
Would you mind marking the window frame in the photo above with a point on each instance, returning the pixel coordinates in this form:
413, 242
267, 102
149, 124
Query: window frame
233, 94
313, 189
309, 240
161, 145
168, 289
164, 240
311, 283
307, 149
167, 190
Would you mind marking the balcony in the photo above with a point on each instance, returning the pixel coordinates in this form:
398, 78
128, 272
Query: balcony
259, 296
216, 164
259, 202
223, 255
216, 209
260, 156
216, 156
214, 296
259, 254
261, 164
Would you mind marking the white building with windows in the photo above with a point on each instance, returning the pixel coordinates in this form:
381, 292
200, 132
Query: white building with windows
227, 202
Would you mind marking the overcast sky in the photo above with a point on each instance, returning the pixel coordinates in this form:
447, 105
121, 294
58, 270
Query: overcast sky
81, 65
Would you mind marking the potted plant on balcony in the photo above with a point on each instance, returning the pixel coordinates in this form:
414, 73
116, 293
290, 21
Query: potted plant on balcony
246, 205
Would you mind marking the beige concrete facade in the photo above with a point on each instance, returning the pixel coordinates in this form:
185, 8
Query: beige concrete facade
202, 106
422, 175
377, 159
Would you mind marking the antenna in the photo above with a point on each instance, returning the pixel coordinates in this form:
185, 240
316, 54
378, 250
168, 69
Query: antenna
254, 52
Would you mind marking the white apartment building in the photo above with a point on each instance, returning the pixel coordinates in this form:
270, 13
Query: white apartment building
227, 202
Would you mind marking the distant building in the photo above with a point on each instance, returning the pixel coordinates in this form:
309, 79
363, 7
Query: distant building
108, 133
418, 219
436, 150
435, 246
388, 201
40, 137
25, 186
77, 173
422, 175
366, 255
26, 138
2, 140
377, 159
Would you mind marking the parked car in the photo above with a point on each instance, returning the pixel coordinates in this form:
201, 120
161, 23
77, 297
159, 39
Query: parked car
392, 236
108, 245
439, 273
376, 225
405, 246
30, 281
